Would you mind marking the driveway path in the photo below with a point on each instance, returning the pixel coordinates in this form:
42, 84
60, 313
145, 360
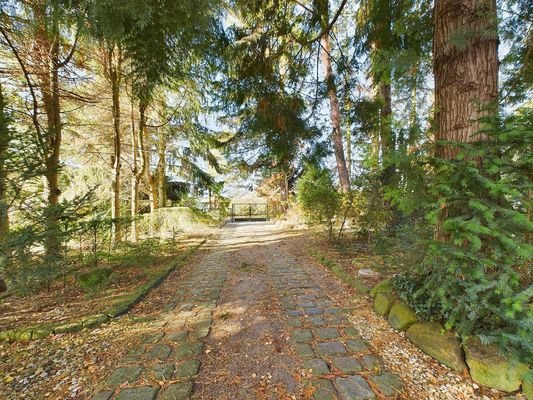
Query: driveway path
254, 320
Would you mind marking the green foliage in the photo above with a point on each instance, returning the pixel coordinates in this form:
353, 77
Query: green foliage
22, 260
318, 197
95, 280
474, 277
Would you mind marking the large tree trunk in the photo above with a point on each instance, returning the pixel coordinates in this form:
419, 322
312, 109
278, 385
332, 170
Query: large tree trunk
335, 114
466, 74
114, 67
5, 137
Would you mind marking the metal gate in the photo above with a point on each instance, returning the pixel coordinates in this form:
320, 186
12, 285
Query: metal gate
249, 212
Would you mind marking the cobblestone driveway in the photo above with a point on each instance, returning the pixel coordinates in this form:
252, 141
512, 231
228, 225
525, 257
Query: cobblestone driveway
251, 322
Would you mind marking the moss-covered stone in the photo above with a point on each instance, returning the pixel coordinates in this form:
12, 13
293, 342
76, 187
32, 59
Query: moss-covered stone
527, 389
40, 333
382, 287
69, 327
383, 303
443, 346
488, 367
16, 334
401, 316
119, 309
94, 320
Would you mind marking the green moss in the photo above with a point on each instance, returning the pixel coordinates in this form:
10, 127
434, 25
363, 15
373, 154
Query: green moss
69, 327
382, 287
401, 316
95, 320
16, 334
95, 279
444, 346
40, 333
527, 389
488, 367
383, 303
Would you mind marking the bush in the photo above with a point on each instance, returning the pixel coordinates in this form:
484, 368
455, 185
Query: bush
318, 197
94, 280
471, 276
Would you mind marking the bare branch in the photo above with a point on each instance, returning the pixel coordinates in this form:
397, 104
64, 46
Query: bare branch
327, 28
28, 81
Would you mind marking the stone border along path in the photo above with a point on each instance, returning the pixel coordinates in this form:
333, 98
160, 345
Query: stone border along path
327, 342
341, 364
179, 342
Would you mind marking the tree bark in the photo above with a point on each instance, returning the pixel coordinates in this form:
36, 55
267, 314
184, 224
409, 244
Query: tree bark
114, 67
338, 145
154, 192
134, 210
161, 170
386, 135
5, 138
465, 48
49, 85
138, 146
465, 64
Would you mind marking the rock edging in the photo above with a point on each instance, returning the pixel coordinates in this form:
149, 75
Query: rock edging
92, 321
340, 273
484, 362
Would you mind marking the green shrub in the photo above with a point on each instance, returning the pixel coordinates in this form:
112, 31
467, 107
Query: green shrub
318, 197
471, 278
95, 279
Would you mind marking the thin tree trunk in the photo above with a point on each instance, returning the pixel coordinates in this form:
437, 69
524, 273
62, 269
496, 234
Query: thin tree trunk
5, 138
161, 170
386, 134
349, 152
413, 138
375, 150
139, 144
151, 177
115, 77
466, 75
338, 145
134, 181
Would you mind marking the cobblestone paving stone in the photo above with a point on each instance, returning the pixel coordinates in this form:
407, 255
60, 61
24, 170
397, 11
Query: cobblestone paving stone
339, 362
163, 366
